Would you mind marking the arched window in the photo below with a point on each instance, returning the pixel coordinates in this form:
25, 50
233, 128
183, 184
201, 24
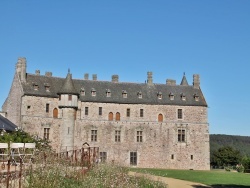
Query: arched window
110, 116
117, 116
160, 118
55, 113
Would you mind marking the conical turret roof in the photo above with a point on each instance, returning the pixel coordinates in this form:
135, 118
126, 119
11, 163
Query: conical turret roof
184, 81
68, 86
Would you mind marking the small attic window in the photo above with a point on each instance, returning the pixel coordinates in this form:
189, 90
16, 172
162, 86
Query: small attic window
139, 94
196, 97
35, 86
124, 94
108, 93
159, 95
171, 96
93, 92
47, 87
183, 96
82, 92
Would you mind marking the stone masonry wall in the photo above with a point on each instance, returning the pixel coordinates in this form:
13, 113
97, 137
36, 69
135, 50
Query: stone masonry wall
159, 147
12, 104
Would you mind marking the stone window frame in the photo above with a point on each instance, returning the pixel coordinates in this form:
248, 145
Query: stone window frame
103, 156
171, 96
108, 93
86, 110
133, 158
139, 94
196, 97
82, 91
93, 92
183, 96
47, 108
46, 131
180, 114
100, 111
159, 95
117, 135
35, 86
141, 112
93, 135
124, 94
47, 87
128, 112
139, 136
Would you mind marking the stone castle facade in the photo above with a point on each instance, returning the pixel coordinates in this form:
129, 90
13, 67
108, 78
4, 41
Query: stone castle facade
138, 124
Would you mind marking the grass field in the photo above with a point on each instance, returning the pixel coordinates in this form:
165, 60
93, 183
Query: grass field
213, 178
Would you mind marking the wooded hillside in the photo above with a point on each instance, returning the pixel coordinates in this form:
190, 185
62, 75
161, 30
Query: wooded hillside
241, 143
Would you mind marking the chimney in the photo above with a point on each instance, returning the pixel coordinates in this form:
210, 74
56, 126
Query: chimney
150, 78
21, 68
38, 72
115, 78
94, 76
171, 82
86, 76
49, 74
196, 81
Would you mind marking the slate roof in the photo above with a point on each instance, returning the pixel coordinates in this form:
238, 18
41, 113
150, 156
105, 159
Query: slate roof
6, 124
68, 86
184, 81
149, 92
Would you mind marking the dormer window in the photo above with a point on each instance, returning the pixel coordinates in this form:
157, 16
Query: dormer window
47, 87
82, 92
108, 93
35, 86
171, 96
139, 94
124, 94
159, 95
196, 97
93, 92
183, 96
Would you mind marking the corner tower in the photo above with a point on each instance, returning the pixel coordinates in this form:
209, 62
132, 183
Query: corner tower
68, 99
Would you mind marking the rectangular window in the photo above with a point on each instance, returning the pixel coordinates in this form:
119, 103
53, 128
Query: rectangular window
139, 136
128, 112
181, 135
93, 135
141, 112
192, 157
133, 158
179, 113
70, 97
172, 156
47, 107
100, 111
103, 156
86, 111
46, 133
117, 136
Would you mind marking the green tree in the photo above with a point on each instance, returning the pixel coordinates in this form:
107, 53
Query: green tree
225, 156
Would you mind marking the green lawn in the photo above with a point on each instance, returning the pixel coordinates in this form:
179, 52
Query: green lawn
213, 177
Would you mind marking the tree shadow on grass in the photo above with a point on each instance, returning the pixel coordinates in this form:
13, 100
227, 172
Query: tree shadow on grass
221, 186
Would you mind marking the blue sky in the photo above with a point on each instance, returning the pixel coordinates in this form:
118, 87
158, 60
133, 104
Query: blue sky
132, 37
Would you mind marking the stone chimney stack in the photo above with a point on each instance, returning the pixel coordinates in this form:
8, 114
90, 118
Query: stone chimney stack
171, 82
21, 68
49, 74
196, 81
38, 72
150, 78
115, 78
94, 77
86, 76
